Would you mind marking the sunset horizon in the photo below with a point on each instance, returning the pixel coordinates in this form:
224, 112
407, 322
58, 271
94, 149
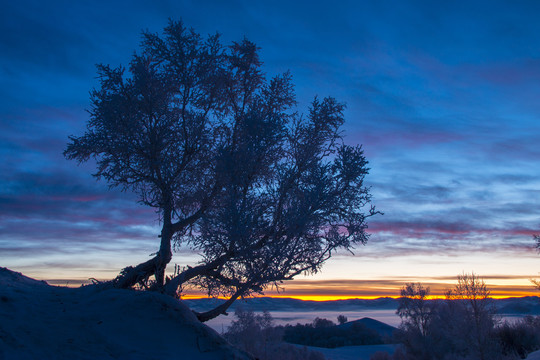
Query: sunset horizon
441, 100
344, 180
309, 290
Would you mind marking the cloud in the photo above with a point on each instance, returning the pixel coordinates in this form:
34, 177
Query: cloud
391, 287
443, 97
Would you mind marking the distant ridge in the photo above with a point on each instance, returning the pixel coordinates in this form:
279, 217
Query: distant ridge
529, 305
289, 304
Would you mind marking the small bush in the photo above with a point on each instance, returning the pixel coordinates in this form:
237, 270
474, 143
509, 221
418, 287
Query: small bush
319, 323
519, 338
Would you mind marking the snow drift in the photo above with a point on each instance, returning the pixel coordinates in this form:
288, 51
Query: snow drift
38, 321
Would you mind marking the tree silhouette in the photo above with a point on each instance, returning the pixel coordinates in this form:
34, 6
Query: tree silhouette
479, 312
463, 326
414, 309
235, 173
342, 319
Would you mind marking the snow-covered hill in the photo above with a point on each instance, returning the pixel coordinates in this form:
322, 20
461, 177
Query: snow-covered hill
38, 321
384, 330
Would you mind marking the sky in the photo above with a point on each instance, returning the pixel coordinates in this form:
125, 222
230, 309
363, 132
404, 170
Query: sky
443, 96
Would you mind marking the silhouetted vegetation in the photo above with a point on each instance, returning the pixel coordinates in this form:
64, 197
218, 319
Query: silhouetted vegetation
414, 309
463, 326
196, 130
520, 337
257, 335
324, 333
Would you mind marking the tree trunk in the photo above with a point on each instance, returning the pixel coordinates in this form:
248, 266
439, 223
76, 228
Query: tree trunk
164, 254
130, 276
156, 266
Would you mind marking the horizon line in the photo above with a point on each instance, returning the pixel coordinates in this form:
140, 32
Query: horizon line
346, 290
322, 298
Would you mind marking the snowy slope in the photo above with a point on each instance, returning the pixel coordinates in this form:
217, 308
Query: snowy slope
38, 321
384, 330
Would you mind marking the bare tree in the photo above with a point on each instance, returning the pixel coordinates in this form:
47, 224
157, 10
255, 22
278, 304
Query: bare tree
461, 327
252, 332
200, 134
414, 308
257, 335
416, 314
472, 293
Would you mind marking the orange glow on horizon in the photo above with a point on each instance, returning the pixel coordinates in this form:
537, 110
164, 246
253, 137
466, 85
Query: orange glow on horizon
330, 297
350, 297
346, 289
301, 297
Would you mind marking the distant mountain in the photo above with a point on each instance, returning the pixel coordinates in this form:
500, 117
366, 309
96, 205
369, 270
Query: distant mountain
529, 305
288, 304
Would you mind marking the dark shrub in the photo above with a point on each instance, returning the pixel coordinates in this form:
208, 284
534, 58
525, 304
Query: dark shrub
521, 337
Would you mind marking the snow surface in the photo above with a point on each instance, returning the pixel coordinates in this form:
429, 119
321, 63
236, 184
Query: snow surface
363, 352
38, 321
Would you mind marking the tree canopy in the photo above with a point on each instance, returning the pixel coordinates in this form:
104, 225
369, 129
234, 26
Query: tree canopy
199, 133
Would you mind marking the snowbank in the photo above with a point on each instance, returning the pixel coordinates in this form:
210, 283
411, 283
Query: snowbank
38, 321
363, 352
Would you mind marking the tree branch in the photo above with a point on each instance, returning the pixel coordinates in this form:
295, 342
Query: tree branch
171, 286
221, 309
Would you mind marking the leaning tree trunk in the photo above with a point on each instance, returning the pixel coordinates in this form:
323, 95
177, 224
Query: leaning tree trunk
156, 266
164, 254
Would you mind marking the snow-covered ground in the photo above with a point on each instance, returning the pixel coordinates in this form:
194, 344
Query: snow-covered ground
354, 352
38, 321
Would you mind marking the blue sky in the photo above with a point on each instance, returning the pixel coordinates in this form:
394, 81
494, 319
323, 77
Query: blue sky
444, 97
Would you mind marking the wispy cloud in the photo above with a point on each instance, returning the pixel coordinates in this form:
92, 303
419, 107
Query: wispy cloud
442, 95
